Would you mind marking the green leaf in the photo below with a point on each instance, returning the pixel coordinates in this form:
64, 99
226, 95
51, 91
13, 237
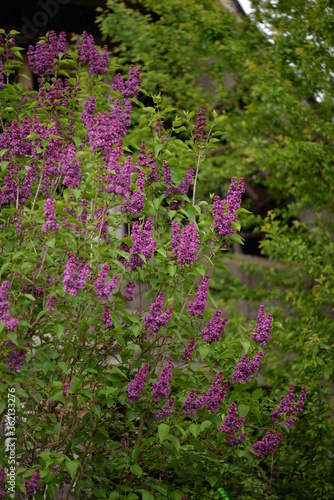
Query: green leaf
163, 431
136, 470
147, 496
205, 424
71, 466
195, 429
175, 441
63, 366
243, 410
212, 480
204, 350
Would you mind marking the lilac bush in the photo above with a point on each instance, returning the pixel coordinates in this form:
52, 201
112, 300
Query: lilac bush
115, 346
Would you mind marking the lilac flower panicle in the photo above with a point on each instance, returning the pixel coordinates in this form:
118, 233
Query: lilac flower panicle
88, 53
75, 275
70, 167
33, 485
216, 394
129, 294
188, 352
107, 319
289, 408
197, 307
267, 444
232, 424
41, 57
135, 388
224, 211
16, 358
49, 213
143, 243
192, 404
131, 86
247, 367
65, 389
5, 317
166, 410
102, 288
189, 243
176, 237
214, 328
200, 125
263, 328
155, 318
2, 476
161, 388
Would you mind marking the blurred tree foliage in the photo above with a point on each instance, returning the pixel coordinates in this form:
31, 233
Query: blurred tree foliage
272, 77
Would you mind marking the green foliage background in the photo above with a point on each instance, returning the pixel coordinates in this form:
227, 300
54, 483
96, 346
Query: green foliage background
276, 92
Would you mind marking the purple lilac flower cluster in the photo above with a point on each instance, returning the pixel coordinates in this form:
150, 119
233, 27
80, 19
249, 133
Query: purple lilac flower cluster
75, 275
247, 367
2, 476
200, 125
5, 317
192, 404
131, 86
214, 328
49, 214
17, 357
232, 424
101, 288
136, 200
135, 388
224, 211
33, 485
185, 245
183, 187
161, 388
215, 394
142, 244
197, 307
263, 328
288, 406
188, 352
142, 161
65, 389
41, 57
129, 294
267, 444
107, 319
70, 167
166, 410
88, 53
6, 44
155, 318
50, 306
55, 470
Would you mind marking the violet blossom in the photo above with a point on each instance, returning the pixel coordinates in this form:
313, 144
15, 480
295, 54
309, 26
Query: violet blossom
200, 125
232, 424
70, 167
129, 291
185, 245
107, 319
188, 352
17, 356
247, 367
135, 388
192, 404
224, 211
49, 213
131, 86
267, 444
215, 394
65, 389
197, 307
41, 57
5, 317
288, 407
263, 328
142, 244
166, 410
88, 52
214, 328
155, 318
33, 485
161, 388
75, 275
102, 288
